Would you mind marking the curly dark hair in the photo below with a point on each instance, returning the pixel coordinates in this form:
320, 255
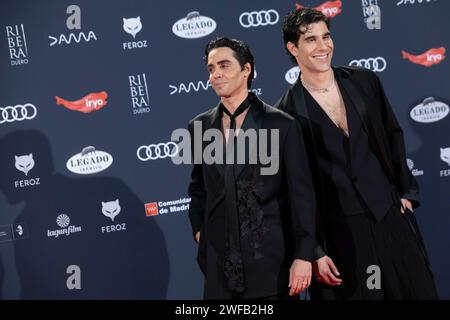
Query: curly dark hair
296, 19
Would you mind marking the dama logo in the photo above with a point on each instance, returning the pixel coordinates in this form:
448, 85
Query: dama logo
428, 58
330, 8
151, 209
87, 104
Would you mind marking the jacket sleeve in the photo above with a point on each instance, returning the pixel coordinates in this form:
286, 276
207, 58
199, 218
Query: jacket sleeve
196, 190
300, 192
405, 181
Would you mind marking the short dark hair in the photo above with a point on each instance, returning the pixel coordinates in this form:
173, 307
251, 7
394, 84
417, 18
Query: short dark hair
299, 18
241, 52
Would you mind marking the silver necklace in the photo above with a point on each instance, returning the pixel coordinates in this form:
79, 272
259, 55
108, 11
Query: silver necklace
321, 90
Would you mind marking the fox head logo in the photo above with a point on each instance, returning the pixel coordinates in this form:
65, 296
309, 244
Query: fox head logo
445, 155
111, 209
132, 25
24, 163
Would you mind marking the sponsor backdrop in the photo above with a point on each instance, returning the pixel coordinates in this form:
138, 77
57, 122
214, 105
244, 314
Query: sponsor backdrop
92, 205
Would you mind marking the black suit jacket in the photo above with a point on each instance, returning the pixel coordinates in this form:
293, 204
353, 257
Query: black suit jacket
379, 122
285, 200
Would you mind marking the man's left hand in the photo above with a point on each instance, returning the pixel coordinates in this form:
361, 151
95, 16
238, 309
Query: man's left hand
299, 276
406, 204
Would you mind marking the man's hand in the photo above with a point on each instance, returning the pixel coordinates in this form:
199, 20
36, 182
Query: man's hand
326, 272
197, 237
406, 204
299, 276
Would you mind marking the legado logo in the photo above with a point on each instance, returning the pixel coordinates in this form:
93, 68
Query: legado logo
18, 112
377, 64
429, 111
194, 26
259, 18
89, 103
73, 23
89, 161
330, 8
163, 207
157, 151
292, 75
428, 58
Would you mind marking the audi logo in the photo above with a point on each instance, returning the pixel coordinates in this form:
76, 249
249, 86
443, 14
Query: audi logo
377, 64
157, 151
258, 18
17, 113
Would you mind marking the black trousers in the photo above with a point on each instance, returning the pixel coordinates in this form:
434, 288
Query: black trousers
361, 248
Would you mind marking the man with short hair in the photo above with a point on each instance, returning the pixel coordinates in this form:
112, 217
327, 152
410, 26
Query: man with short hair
364, 188
255, 231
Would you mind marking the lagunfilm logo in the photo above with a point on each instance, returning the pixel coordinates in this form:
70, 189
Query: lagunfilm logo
416, 172
372, 14
17, 45
194, 26
292, 74
139, 93
73, 22
89, 161
63, 221
429, 110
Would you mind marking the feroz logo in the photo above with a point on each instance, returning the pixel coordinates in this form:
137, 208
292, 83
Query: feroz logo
111, 209
330, 8
157, 151
133, 26
377, 64
259, 18
89, 161
372, 14
18, 112
17, 45
292, 74
139, 93
24, 163
73, 22
429, 110
194, 26
428, 58
89, 103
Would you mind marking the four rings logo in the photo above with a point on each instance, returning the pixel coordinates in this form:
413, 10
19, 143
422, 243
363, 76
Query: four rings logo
258, 18
377, 64
157, 151
17, 113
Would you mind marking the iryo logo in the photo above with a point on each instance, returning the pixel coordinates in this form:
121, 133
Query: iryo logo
87, 104
428, 58
330, 8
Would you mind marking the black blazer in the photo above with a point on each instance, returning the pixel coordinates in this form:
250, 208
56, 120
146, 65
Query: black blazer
285, 200
379, 122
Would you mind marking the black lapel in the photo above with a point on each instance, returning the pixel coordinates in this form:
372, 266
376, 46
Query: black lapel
253, 120
361, 107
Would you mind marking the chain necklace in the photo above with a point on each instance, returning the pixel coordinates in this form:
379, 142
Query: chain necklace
321, 90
